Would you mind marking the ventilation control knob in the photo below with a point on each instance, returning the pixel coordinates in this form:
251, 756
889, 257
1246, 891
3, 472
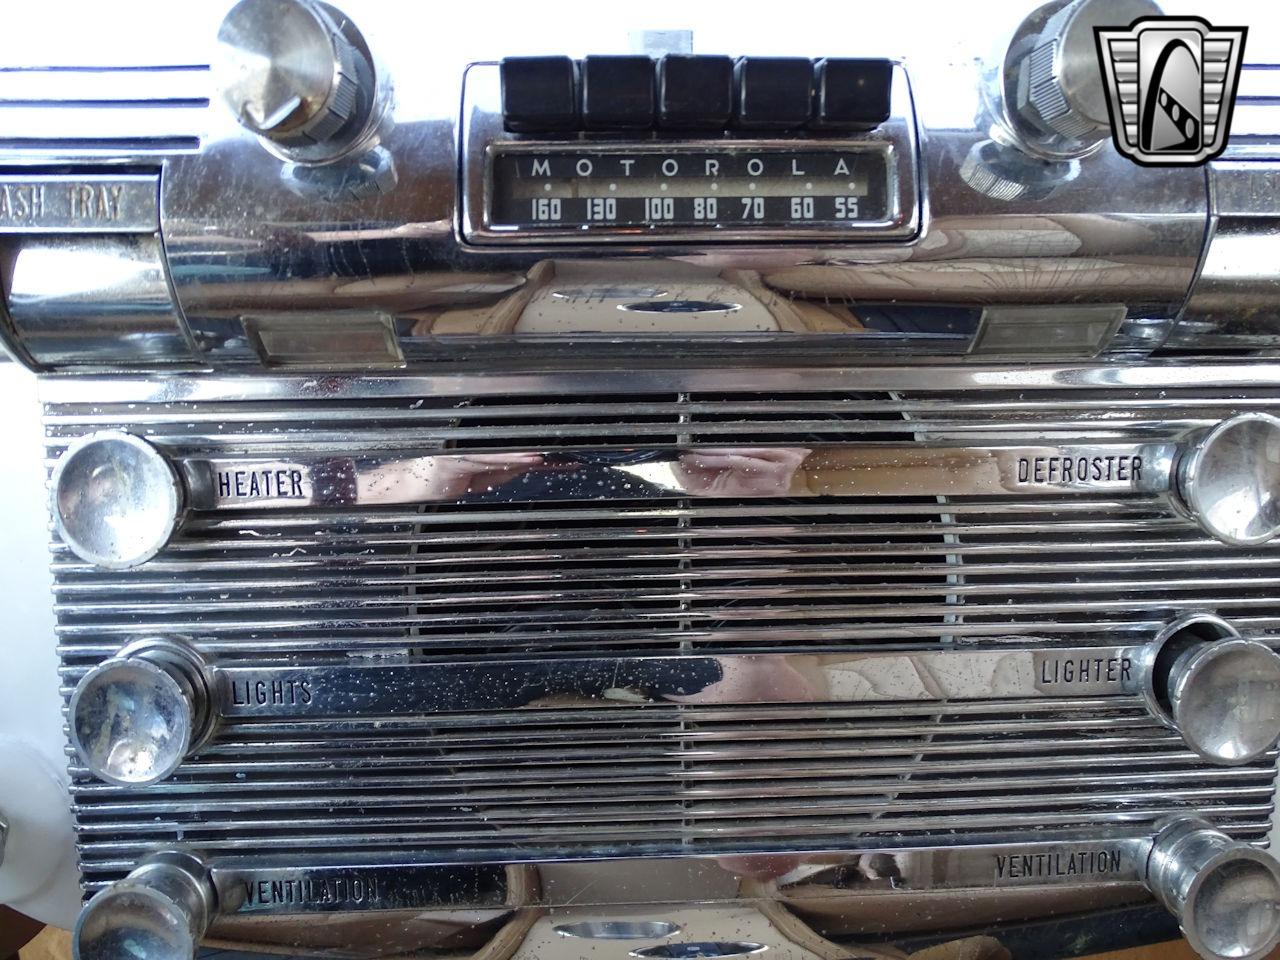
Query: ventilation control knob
160, 911
297, 74
116, 500
1225, 893
1218, 689
135, 718
1053, 83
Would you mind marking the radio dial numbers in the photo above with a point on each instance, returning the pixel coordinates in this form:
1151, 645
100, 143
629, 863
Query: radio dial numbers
563, 190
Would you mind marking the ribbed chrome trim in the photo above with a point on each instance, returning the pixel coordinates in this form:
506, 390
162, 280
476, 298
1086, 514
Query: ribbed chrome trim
1255, 122
112, 112
765, 383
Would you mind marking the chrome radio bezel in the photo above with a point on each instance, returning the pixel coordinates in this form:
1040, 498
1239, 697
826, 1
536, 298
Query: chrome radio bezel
483, 136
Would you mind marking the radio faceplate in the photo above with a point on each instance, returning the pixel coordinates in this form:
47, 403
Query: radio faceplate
655, 187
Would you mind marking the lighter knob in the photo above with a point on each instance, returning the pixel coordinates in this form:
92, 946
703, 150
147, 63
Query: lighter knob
1061, 92
1218, 689
160, 911
1225, 893
135, 717
297, 74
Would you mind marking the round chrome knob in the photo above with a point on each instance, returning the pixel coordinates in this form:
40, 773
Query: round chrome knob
1229, 481
1225, 894
160, 911
117, 500
1225, 699
1052, 76
297, 74
134, 718
1219, 690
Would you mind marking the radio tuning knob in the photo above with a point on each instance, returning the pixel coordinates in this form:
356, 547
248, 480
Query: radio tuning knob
160, 911
1225, 893
1054, 90
1218, 689
298, 74
135, 717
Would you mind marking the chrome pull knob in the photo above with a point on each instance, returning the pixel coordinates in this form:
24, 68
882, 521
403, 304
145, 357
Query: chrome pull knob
1229, 480
1219, 690
297, 74
1225, 893
136, 717
1053, 83
116, 500
160, 911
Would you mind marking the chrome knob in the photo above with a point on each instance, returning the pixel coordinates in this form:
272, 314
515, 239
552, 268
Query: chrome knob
1229, 480
135, 718
160, 911
297, 74
1225, 893
117, 500
1053, 79
1219, 690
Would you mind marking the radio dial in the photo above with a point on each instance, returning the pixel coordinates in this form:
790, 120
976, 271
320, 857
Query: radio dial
297, 74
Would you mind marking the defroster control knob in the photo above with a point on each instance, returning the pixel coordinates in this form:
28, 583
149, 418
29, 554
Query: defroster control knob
160, 911
1225, 893
1229, 479
297, 74
1055, 87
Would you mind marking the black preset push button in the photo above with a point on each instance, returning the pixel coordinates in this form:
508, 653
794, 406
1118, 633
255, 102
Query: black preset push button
539, 93
773, 92
852, 94
618, 93
695, 92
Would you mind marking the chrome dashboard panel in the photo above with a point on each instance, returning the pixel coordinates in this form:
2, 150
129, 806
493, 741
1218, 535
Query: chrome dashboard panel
831, 720
290, 248
430, 582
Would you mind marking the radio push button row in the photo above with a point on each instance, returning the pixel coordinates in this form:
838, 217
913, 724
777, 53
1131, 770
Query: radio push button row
136, 717
1225, 893
1219, 690
160, 911
1229, 480
117, 500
